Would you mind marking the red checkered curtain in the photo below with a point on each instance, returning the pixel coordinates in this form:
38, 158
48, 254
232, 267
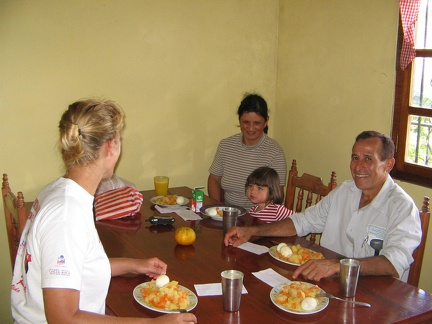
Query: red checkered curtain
409, 12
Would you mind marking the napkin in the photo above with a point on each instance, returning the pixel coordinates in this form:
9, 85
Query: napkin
254, 248
212, 289
271, 277
187, 214
117, 203
167, 210
183, 211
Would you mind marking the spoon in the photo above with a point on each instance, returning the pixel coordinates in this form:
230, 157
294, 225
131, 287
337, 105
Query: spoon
344, 300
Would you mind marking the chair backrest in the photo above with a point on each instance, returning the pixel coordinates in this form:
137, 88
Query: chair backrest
15, 216
309, 186
414, 273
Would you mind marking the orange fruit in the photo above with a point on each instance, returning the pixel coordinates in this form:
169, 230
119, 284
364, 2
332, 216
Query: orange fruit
184, 235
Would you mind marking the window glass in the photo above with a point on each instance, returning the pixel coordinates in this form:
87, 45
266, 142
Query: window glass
423, 34
421, 83
418, 142
412, 118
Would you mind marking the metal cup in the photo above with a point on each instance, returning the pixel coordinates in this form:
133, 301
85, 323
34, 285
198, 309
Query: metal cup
232, 285
229, 216
349, 274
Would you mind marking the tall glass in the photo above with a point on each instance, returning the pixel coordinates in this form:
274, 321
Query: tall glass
161, 185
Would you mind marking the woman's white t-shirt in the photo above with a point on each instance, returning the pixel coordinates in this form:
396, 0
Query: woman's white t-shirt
59, 248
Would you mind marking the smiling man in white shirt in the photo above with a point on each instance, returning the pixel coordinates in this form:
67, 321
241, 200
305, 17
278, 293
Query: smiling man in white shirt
371, 206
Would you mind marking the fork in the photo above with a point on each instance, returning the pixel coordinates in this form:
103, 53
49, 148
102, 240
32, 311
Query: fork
324, 294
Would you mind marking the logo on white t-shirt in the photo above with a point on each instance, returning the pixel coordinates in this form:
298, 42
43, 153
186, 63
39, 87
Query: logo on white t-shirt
61, 261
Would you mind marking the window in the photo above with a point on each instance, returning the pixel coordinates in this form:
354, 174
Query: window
412, 119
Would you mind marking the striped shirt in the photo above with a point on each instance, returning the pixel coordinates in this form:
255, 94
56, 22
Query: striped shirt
271, 213
234, 162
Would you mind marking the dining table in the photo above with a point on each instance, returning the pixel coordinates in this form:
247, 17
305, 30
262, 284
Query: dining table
391, 300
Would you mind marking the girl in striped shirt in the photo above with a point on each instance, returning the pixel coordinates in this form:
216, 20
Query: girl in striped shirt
263, 189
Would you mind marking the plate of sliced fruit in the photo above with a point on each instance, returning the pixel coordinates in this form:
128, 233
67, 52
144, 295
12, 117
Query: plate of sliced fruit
293, 254
168, 297
298, 297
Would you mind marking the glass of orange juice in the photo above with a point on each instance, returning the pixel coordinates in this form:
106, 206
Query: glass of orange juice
161, 185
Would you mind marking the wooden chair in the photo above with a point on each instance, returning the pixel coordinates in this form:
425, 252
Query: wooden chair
414, 273
15, 215
314, 187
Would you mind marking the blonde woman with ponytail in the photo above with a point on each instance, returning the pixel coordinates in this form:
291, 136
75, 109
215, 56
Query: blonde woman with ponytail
61, 272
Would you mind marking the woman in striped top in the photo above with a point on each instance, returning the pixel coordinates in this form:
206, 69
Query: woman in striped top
238, 155
262, 189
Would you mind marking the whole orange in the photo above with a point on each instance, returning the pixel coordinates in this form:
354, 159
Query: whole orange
184, 235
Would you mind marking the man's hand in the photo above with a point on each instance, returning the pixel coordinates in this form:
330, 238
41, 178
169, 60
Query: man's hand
237, 236
317, 269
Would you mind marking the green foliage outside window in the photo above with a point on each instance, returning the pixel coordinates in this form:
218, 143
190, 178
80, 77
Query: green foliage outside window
420, 140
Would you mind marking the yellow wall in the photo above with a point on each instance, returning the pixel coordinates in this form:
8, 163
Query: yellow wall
179, 70
336, 62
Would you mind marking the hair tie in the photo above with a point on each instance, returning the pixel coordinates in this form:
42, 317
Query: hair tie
77, 128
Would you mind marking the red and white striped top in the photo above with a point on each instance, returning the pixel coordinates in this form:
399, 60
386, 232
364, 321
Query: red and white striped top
118, 203
271, 213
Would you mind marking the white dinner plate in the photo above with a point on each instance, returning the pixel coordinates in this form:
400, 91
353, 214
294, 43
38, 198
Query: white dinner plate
204, 209
154, 201
193, 299
322, 301
273, 253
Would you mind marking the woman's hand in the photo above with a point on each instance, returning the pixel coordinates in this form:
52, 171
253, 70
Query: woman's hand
175, 318
62, 305
152, 267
